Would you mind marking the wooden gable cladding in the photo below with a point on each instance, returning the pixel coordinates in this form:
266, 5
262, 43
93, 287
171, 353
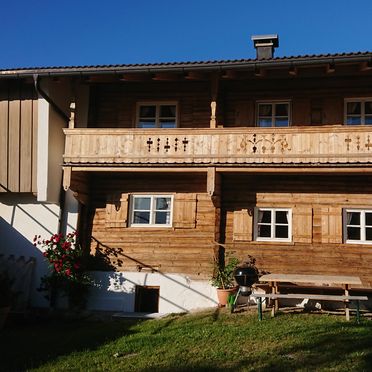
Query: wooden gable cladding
184, 213
242, 225
18, 138
302, 218
117, 210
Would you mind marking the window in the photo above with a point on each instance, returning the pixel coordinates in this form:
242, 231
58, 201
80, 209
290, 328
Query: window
273, 224
273, 114
151, 210
357, 226
358, 111
156, 115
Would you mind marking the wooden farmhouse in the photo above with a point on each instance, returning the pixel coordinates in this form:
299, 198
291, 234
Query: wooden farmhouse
162, 167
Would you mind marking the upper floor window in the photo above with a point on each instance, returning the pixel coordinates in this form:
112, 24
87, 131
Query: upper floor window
357, 226
273, 224
273, 114
151, 210
157, 115
358, 111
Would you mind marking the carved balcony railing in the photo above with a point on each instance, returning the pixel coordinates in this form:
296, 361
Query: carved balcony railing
295, 146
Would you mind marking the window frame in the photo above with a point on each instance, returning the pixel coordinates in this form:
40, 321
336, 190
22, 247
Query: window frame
152, 210
272, 225
362, 225
360, 100
274, 103
158, 104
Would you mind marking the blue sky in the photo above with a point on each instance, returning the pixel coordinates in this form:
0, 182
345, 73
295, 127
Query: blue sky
65, 33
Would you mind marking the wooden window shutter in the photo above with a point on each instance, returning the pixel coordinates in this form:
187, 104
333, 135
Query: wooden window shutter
184, 211
302, 220
331, 224
242, 225
117, 210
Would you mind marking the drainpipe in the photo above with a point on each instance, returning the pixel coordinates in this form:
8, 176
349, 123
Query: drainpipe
59, 111
43, 94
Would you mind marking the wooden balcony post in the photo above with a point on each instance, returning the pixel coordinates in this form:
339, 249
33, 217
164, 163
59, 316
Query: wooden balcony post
71, 123
66, 178
214, 95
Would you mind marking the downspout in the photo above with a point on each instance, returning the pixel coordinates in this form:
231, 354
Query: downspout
43, 94
59, 111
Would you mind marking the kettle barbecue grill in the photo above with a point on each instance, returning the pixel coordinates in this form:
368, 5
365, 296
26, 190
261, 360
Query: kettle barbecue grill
245, 277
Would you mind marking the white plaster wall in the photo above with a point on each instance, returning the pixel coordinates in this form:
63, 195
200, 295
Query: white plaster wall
51, 140
21, 218
42, 149
177, 293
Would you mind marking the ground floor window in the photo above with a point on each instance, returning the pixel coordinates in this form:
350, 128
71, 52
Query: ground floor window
357, 226
273, 224
151, 210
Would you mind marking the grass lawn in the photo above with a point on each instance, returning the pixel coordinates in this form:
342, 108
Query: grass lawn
208, 341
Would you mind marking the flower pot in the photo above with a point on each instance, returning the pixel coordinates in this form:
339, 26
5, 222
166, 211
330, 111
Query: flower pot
4, 312
223, 295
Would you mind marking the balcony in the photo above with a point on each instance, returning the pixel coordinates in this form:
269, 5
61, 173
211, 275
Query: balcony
259, 147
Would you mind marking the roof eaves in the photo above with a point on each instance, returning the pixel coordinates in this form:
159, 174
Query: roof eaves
187, 66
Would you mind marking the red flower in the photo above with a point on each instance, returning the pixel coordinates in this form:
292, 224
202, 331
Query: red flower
68, 272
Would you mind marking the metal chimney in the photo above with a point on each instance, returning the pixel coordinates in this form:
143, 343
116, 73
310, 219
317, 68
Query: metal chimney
265, 45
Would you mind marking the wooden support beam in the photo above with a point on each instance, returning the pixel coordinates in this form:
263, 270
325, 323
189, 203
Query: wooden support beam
229, 74
213, 121
293, 71
134, 77
213, 182
165, 76
71, 123
366, 66
66, 177
330, 68
194, 75
214, 94
259, 72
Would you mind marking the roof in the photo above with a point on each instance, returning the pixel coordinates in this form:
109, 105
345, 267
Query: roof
191, 65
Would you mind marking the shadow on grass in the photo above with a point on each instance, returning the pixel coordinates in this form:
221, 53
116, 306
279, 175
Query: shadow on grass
25, 345
337, 346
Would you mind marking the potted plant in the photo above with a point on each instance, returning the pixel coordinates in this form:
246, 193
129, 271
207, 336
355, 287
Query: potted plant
223, 278
7, 296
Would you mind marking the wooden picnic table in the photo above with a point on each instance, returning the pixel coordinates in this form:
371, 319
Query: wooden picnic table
320, 280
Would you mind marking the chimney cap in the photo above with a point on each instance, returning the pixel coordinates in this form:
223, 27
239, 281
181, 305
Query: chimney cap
268, 40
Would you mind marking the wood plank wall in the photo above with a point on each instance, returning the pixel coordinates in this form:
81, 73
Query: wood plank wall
18, 137
114, 106
314, 101
310, 98
187, 250
324, 254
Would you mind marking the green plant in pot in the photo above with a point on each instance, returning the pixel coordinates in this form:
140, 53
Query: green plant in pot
223, 277
7, 296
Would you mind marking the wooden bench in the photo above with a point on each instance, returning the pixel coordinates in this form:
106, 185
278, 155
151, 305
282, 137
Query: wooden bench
342, 298
321, 281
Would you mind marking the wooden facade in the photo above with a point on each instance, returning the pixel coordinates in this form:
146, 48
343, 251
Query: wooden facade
187, 247
219, 166
18, 137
